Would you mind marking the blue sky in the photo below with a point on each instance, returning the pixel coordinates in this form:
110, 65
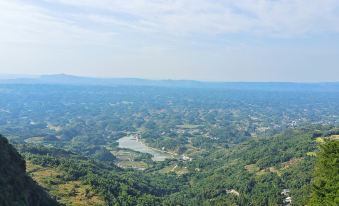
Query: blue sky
218, 40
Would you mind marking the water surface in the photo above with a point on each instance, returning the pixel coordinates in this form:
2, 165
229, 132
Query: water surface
130, 142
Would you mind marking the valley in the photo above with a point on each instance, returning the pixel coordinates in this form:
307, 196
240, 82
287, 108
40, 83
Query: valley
154, 145
169, 103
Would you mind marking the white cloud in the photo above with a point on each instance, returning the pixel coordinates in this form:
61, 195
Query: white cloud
100, 21
170, 38
29, 24
267, 17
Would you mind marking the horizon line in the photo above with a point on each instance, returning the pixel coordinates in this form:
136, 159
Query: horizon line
16, 76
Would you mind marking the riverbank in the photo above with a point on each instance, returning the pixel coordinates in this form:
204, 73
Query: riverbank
159, 150
133, 143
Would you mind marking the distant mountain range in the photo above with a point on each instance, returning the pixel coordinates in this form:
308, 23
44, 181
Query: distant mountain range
64, 79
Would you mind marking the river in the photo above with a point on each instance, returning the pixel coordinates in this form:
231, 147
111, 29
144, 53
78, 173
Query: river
129, 142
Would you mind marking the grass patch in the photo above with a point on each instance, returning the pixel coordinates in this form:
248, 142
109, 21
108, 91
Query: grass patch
252, 168
72, 193
312, 154
291, 162
319, 140
268, 170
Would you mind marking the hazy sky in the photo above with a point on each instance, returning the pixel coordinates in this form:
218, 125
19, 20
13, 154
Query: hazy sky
228, 40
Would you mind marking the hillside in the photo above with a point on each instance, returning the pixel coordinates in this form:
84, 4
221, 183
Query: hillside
16, 187
78, 181
254, 172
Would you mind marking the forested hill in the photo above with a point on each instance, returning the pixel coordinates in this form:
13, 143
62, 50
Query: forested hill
16, 187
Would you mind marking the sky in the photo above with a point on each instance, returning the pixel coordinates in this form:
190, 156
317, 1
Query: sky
213, 40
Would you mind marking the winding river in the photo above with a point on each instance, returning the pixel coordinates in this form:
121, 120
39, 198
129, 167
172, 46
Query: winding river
129, 142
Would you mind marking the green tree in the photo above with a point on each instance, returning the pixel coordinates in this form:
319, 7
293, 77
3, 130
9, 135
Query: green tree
325, 186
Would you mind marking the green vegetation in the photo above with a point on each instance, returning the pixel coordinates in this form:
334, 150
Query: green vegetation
75, 180
75, 193
258, 170
325, 185
235, 146
252, 173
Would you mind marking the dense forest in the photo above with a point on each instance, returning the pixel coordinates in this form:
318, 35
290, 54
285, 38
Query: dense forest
234, 145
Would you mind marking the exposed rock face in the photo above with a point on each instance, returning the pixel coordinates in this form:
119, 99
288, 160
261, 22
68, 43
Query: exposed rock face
16, 187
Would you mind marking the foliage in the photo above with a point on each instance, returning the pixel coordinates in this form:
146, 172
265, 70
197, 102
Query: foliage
325, 185
258, 170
